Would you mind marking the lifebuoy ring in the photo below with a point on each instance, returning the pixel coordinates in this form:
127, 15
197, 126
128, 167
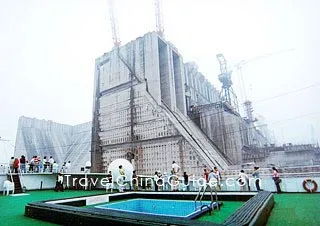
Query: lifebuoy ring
307, 188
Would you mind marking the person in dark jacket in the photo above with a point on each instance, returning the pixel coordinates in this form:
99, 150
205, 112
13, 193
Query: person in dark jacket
276, 179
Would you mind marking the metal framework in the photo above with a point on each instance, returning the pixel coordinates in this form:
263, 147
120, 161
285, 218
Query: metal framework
227, 93
114, 25
159, 18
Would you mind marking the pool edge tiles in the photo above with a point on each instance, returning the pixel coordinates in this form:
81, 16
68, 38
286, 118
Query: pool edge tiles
158, 207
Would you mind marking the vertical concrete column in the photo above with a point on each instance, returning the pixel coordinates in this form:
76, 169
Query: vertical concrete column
152, 65
166, 75
179, 81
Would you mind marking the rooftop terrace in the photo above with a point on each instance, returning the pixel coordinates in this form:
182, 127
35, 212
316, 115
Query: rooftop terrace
289, 209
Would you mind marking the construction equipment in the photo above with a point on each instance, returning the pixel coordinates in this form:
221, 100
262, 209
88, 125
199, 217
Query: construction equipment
239, 66
159, 18
227, 94
114, 25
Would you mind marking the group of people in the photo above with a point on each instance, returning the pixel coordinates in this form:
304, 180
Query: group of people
213, 175
244, 183
167, 182
37, 165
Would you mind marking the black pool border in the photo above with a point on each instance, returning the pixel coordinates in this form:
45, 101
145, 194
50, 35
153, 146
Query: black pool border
257, 207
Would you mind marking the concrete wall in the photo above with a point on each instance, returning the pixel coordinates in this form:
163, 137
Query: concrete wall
283, 158
156, 142
47, 138
129, 117
198, 89
224, 129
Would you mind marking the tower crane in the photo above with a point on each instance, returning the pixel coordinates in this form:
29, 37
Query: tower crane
247, 103
159, 18
241, 63
226, 94
114, 25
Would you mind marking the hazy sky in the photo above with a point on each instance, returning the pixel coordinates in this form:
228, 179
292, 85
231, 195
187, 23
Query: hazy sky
48, 48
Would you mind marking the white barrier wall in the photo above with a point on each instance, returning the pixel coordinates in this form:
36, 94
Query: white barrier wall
288, 184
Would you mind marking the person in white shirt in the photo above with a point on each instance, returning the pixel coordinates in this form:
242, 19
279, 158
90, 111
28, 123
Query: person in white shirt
165, 179
51, 161
219, 178
68, 167
212, 178
45, 164
55, 167
175, 168
242, 179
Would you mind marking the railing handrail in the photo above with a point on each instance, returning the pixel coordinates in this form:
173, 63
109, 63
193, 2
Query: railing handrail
20, 177
10, 173
195, 200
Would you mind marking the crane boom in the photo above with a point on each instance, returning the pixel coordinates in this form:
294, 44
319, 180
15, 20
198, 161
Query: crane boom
240, 64
159, 18
114, 25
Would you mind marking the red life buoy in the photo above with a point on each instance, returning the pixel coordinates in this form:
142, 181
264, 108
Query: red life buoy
310, 181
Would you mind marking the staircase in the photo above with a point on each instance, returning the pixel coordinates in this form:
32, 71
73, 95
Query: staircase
195, 137
17, 184
202, 137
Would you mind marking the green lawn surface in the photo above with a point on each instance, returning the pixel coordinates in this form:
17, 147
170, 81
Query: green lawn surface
296, 210
226, 210
289, 209
12, 207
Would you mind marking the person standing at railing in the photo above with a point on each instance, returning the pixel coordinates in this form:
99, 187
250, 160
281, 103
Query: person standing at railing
276, 179
23, 164
68, 167
165, 179
55, 167
156, 178
36, 164
186, 181
242, 180
175, 168
16, 165
45, 164
206, 175
134, 180
121, 179
31, 164
219, 177
11, 164
51, 161
255, 174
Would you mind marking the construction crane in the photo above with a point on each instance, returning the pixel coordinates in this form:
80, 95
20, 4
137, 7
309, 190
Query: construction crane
247, 103
114, 25
240, 64
159, 18
226, 94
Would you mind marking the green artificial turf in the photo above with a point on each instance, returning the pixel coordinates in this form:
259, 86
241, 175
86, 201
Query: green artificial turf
226, 210
12, 207
289, 209
295, 209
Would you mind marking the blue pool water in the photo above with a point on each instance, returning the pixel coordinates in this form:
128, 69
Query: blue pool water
177, 208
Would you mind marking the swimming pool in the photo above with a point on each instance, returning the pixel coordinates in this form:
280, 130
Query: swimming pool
176, 208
